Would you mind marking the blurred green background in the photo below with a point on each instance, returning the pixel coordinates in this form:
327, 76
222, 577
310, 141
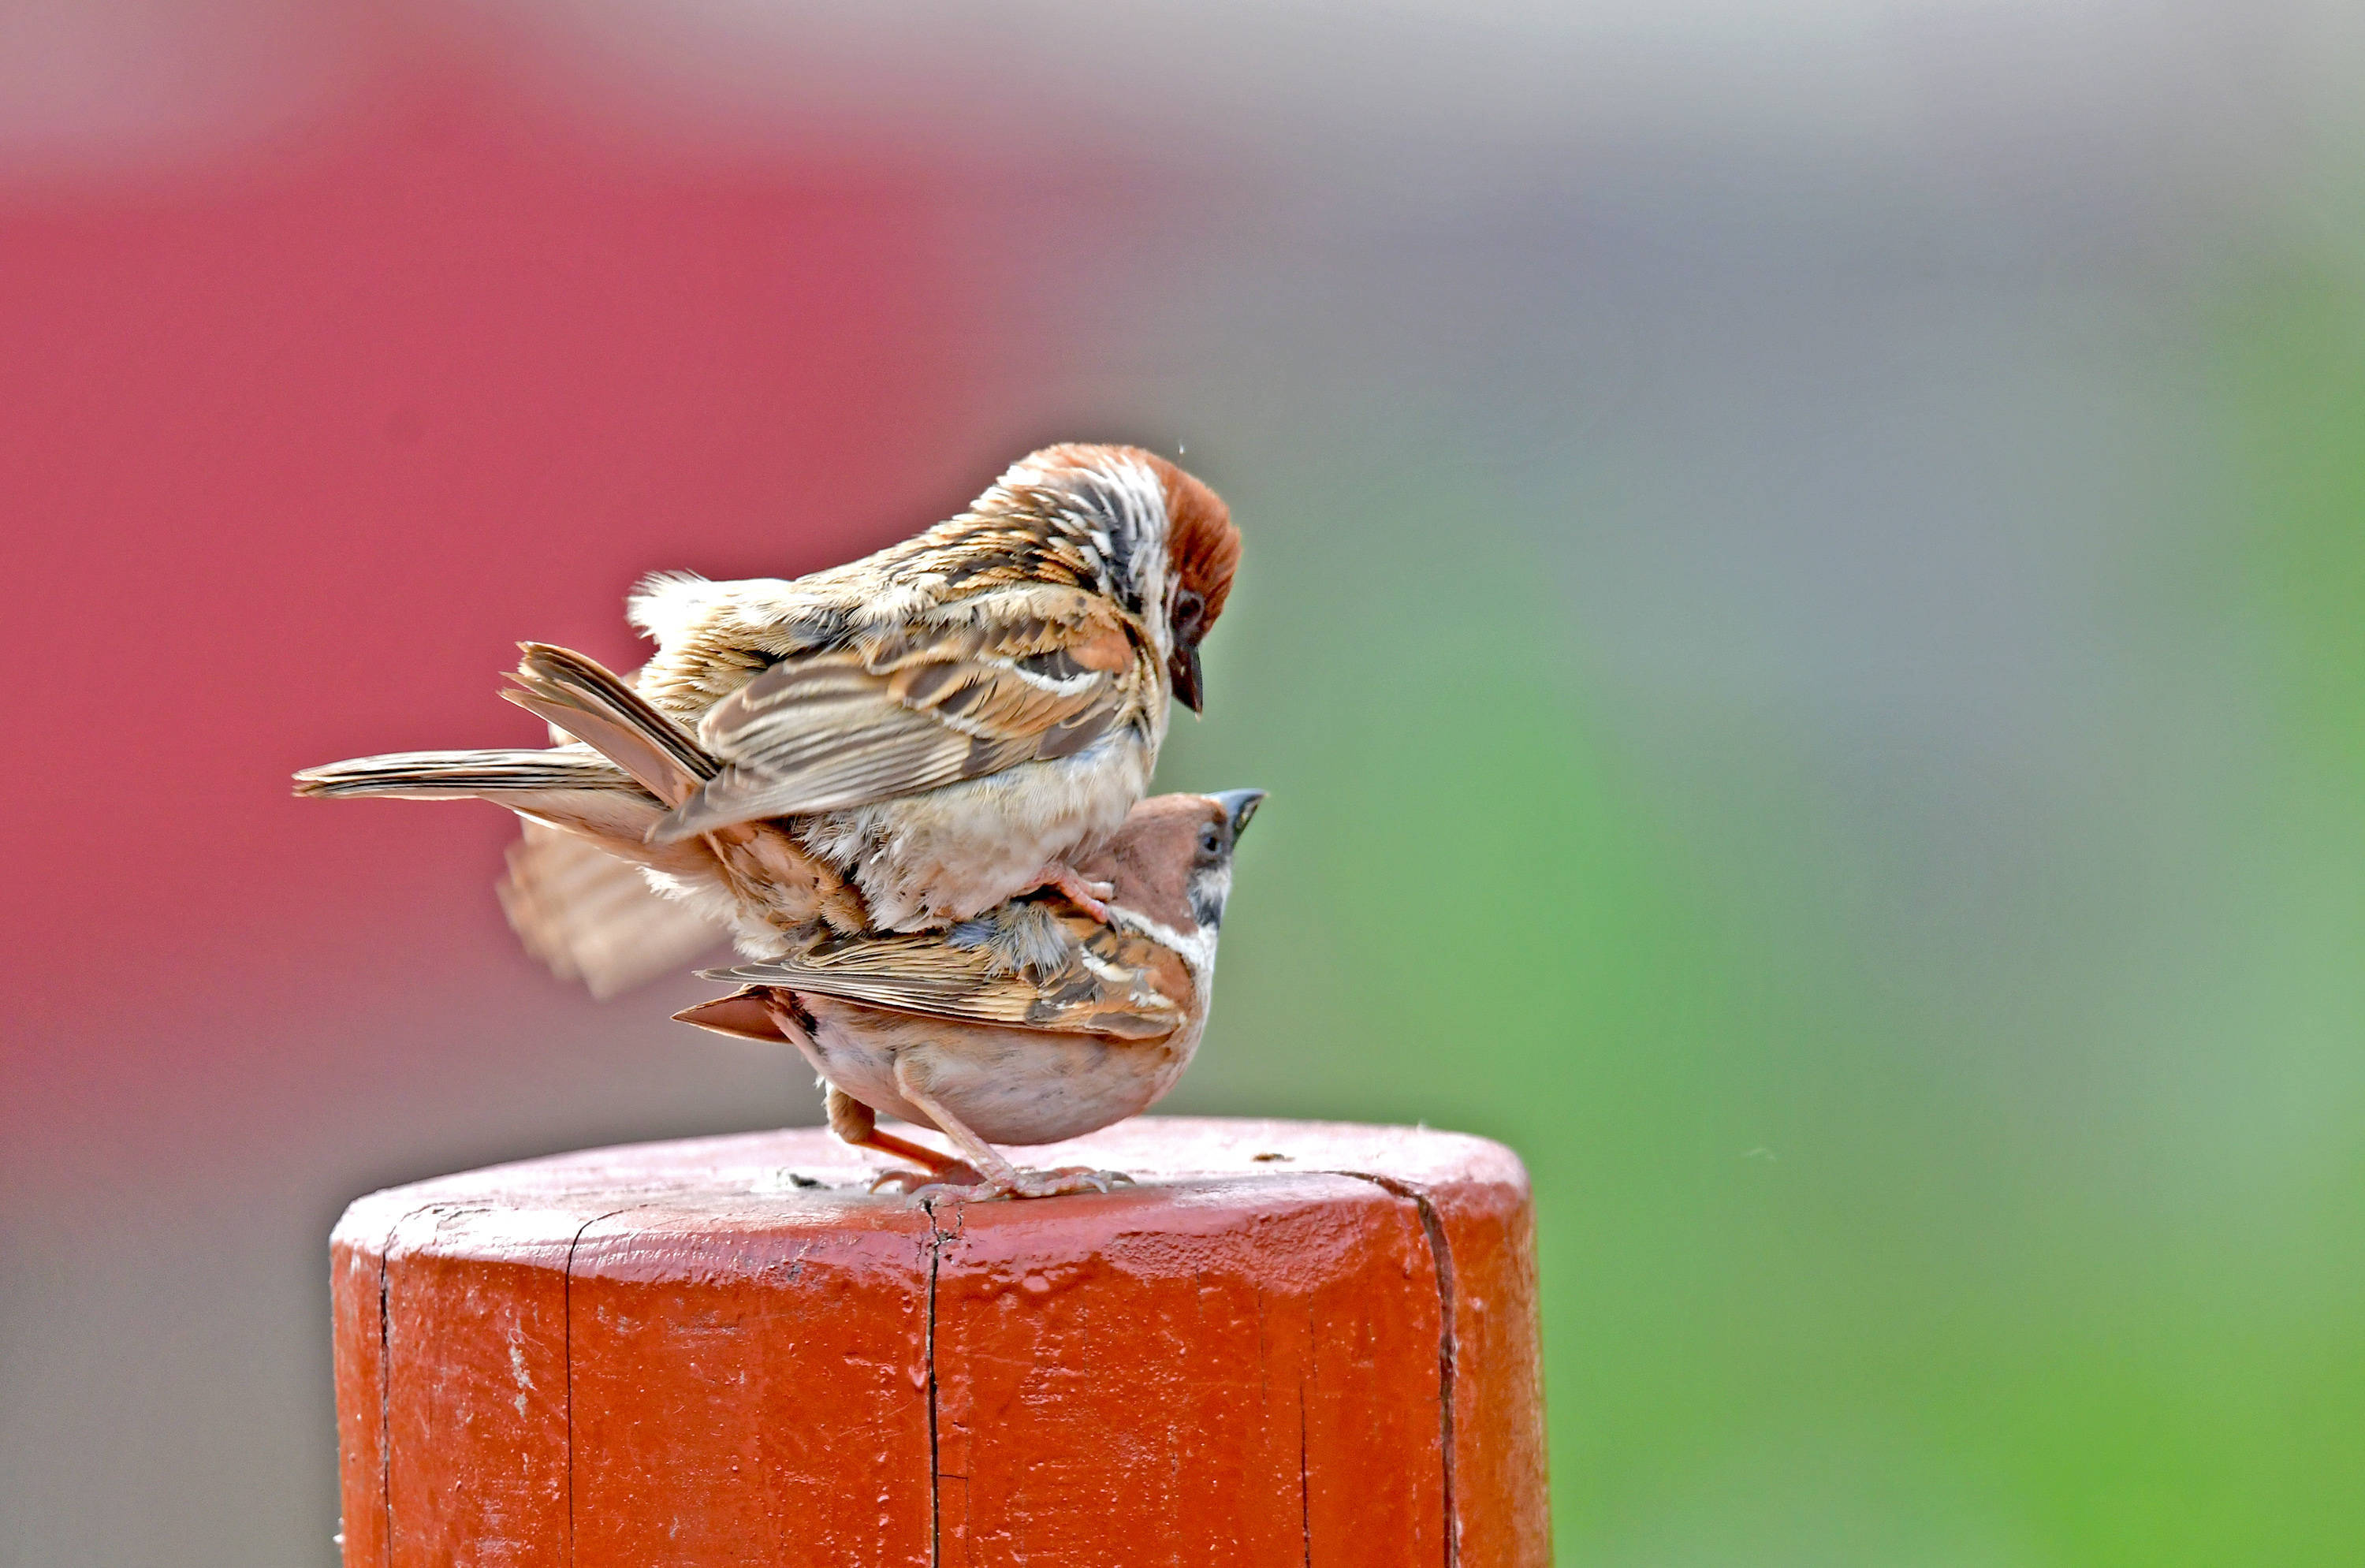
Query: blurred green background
1800, 613
1943, 1105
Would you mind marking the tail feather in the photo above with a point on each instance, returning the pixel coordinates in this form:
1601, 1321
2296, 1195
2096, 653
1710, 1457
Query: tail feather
464, 775
628, 747
574, 893
581, 698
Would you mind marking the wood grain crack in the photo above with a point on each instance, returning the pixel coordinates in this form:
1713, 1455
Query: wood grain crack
936, 1239
566, 1357
385, 1397
385, 1373
1440, 1253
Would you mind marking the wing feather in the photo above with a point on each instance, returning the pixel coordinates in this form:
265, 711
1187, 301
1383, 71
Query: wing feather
897, 715
1113, 982
584, 700
593, 918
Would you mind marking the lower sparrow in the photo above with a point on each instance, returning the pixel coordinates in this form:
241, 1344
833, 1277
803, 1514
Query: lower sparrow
1031, 1023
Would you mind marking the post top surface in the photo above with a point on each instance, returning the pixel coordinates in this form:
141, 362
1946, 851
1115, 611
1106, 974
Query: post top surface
1200, 1160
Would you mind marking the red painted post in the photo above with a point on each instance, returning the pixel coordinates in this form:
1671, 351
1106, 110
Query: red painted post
1294, 1342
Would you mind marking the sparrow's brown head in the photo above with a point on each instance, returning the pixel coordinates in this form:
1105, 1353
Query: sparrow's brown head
1203, 550
1170, 862
1147, 504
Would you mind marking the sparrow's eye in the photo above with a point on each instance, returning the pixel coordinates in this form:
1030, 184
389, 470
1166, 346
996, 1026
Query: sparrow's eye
1190, 618
1211, 841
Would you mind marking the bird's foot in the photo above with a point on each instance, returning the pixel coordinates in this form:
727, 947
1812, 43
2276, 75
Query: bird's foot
1085, 894
1070, 1179
954, 1177
1059, 1183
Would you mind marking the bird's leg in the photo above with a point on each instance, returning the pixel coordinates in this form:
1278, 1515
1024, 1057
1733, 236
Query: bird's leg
850, 1119
1003, 1180
1088, 896
857, 1123
999, 1173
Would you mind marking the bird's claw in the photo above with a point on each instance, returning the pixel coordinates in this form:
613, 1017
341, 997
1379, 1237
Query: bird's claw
1086, 894
909, 1182
1067, 1180
1063, 1183
1079, 1179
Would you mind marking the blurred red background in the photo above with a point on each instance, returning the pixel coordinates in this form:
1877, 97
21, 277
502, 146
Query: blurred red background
309, 419
296, 453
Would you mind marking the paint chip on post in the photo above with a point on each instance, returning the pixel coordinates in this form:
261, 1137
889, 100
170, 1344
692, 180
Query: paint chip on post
664, 1353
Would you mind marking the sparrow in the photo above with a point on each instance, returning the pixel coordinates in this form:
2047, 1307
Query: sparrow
952, 721
896, 744
1032, 1023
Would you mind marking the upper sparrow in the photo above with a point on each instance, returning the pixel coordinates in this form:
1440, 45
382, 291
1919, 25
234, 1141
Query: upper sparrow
1031, 1023
952, 719
942, 726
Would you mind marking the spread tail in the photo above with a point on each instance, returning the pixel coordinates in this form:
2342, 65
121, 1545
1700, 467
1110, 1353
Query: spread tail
629, 747
597, 708
464, 775
576, 897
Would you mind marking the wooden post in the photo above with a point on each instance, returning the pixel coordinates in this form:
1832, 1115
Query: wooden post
1294, 1342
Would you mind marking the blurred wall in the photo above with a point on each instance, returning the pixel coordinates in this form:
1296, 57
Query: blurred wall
1800, 613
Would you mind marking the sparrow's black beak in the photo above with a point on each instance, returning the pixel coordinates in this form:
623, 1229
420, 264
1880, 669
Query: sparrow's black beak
1183, 667
1238, 805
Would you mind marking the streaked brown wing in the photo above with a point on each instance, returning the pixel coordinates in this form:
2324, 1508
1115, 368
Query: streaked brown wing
1130, 987
903, 713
